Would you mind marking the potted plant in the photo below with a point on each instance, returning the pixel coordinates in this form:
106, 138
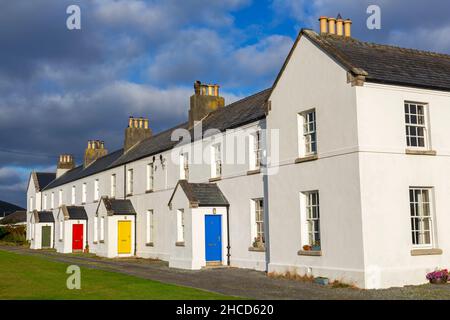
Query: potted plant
438, 276
86, 249
307, 247
258, 243
316, 246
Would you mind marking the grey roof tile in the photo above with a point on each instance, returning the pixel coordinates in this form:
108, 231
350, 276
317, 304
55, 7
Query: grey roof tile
387, 64
77, 213
44, 179
202, 194
13, 218
44, 216
236, 114
119, 206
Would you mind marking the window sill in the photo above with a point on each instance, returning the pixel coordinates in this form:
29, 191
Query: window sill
426, 252
61, 240
83, 203
101, 241
129, 195
150, 244
254, 249
95, 201
179, 244
215, 179
149, 191
95, 242
307, 158
255, 171
310, 253
418, 152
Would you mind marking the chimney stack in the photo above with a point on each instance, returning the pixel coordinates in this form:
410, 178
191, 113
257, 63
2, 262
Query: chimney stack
348, 28
339, 25
205, 100
323, 24
65, 163
137, 131
95, 150
331, 25
336, 26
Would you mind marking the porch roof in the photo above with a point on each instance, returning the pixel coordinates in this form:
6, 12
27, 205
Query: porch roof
43, 216
202, 194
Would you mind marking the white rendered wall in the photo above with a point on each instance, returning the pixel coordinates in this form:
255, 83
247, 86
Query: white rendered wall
312, 80
64, 245
36, 242
386, 175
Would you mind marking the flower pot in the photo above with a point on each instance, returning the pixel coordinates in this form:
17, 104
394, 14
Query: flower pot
439, 281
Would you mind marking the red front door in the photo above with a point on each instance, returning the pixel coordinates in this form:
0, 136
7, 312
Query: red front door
77, 237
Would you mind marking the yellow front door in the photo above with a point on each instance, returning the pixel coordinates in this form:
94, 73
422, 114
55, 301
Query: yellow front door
124, 241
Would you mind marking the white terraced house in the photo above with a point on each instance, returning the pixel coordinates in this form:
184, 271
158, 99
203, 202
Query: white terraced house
344, 173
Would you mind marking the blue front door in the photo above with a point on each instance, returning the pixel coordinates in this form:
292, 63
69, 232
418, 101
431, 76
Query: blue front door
213, 238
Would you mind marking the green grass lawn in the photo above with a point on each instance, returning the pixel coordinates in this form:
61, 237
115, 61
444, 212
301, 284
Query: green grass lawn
28, 277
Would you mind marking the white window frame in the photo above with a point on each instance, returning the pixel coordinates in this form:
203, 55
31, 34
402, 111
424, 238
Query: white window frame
95, 229
31, 204
73, 197
418, 216
255, 150
307, 133
150, 223
45, 202
184, 166
309, 220
61, 194
180, 225
84, 193
113, 185
102, 229
258, 229
96, 190
410, 126
130, 182
52, 200
61, 230
150, 176
216, 160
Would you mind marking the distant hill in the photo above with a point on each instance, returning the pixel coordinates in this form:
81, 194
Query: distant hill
8, 208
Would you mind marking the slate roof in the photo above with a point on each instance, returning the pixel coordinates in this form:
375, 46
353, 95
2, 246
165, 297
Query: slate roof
202, 194
43, 179
76, 213
80, 172
43, 217
14, 218
7, 208
119, 207
387, 64
234, 115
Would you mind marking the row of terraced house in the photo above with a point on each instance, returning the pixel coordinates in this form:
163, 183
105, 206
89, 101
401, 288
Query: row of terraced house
341, 169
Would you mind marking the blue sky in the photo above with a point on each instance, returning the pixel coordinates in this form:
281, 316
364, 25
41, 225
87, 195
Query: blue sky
60, 88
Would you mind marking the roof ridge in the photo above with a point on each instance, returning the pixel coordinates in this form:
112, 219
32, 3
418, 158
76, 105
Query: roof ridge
409, 50
374, 44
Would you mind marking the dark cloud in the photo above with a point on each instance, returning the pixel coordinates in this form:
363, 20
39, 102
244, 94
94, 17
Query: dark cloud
59, 88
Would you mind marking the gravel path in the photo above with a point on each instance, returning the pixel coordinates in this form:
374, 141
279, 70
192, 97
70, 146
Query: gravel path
235, 282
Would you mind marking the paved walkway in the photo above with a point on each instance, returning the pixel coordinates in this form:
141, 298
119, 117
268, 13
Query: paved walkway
233, 281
